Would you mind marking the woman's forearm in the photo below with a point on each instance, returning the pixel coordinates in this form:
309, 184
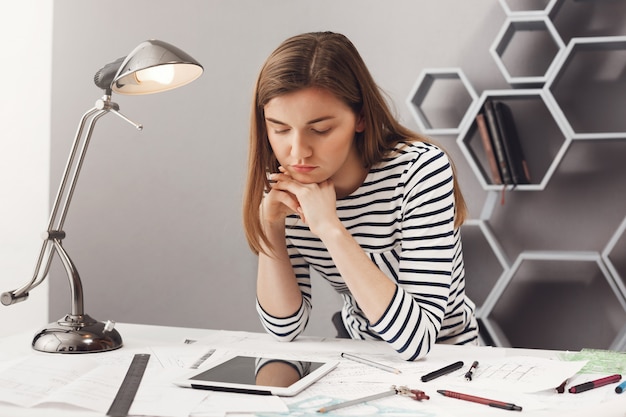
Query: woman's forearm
277, 288
372, 289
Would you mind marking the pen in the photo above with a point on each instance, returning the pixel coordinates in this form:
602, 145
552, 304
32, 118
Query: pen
586, 386
417, 395
202, 358
490, 403
370, 363
440, 372
620, 388
561, 388
469, 374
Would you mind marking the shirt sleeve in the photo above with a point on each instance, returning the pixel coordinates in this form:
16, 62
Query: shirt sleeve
414, 317
288, 328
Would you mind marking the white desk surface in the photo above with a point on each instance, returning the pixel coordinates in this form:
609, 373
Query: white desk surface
141, 336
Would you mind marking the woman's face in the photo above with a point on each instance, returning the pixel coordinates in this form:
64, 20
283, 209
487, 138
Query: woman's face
312, 132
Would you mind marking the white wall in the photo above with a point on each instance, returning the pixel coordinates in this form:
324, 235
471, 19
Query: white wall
26, 43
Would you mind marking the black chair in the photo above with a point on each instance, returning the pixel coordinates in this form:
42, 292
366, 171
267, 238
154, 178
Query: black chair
342, 333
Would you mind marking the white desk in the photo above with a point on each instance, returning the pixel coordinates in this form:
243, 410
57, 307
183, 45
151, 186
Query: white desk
142, 336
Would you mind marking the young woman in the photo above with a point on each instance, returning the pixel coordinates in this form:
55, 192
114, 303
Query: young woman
336, 184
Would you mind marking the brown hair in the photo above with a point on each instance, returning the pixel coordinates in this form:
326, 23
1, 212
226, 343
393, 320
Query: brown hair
330, 61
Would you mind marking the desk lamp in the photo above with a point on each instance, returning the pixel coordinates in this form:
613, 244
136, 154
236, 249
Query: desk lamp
151, 67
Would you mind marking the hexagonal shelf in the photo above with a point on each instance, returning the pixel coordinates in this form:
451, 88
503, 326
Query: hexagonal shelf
525, 50
586, 294
491, 334
440, 100
580, 19
591, 72
483, 249
527, 7
546, 299
540, 132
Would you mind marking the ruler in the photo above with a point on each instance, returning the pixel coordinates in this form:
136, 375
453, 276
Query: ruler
130, 385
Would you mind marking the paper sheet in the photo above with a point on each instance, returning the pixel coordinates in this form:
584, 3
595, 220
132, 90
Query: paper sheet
222, 403
518, 374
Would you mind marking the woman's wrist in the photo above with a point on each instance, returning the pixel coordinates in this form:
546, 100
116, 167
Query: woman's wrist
273, 228
331, 232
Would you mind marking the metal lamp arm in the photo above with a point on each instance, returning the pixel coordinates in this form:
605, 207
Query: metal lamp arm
54, 233
77, 332
76, 286
45, 255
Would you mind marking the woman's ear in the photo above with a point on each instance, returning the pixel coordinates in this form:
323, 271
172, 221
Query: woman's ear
360, 124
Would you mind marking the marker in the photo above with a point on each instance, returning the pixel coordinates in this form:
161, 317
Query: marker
486, 401
561, 388
621, 387
443, 371
370, 363
469, 374
595, 384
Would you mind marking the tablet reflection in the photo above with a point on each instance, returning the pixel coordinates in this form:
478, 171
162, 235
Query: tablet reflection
279, 372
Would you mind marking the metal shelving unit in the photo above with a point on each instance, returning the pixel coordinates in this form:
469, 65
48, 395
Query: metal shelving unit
563, 84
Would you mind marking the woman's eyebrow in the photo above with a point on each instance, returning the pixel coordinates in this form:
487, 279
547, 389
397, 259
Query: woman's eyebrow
320, 119
310, 122
278, 122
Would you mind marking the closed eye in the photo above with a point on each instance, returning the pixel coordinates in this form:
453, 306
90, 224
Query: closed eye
276, 126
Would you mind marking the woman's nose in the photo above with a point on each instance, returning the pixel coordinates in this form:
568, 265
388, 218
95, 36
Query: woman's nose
300, 148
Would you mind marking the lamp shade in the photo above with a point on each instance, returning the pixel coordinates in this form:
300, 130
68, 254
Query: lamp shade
155, 66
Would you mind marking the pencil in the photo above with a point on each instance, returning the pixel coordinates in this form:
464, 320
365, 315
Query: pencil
370, 363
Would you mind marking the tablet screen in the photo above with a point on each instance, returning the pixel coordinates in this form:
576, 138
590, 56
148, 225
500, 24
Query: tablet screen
248, 370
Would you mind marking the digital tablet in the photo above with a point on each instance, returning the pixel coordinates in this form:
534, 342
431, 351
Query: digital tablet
258, 375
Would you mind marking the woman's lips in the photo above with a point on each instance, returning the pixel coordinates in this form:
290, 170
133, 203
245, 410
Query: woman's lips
303, 169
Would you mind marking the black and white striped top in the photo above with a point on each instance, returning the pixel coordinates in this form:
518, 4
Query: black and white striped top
403, 218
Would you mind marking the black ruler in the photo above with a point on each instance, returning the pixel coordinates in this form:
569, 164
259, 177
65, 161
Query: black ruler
130, 385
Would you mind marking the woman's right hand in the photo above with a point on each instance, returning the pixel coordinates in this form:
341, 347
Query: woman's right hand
278, 204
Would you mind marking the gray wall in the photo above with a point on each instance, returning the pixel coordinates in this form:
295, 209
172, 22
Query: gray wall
155, 226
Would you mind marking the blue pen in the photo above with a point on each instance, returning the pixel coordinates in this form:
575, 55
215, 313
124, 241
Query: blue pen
621, 387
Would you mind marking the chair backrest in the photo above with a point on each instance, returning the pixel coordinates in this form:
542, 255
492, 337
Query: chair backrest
342, 333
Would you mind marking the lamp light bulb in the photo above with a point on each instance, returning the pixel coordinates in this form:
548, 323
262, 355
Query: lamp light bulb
162, 74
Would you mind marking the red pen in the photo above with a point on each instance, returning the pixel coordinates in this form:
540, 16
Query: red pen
586, 386
485, 401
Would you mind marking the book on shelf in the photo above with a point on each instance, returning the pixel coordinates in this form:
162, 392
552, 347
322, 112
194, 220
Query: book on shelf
512, 145
496, 141
487, 143
506, 143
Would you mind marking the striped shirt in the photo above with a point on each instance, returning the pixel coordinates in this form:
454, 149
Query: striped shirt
402, 216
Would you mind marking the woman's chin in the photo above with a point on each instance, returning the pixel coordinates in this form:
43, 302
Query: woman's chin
307, 179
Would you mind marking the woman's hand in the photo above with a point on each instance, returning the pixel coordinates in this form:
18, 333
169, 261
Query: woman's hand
315, 203
278, 204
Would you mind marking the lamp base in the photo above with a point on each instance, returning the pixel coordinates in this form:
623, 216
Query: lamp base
77, 334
